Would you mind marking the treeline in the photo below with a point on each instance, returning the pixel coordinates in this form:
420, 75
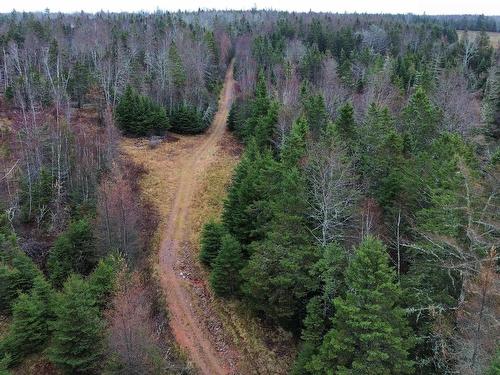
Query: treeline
76, 60
362, 215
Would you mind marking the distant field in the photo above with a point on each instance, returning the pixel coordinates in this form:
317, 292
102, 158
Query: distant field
494, 37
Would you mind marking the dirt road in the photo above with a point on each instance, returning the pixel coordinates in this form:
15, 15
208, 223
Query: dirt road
192, 334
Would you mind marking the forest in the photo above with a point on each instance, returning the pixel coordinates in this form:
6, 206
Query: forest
362, 217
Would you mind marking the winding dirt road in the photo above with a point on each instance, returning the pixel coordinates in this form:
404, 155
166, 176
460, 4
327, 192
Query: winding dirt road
192, 335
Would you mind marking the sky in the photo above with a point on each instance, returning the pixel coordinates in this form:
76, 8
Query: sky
487, 7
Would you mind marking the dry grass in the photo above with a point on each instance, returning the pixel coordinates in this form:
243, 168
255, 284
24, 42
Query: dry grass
494, 36
265, 350
161, 164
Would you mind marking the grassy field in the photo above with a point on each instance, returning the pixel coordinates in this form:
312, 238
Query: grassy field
494, 37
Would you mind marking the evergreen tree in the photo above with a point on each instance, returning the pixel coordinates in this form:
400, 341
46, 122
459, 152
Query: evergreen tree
232, 118
177, 71
102, 281
17, 270
187, 120
345, 126
246, 209
421, 121
139, 115
73, 251
295, 146
370, 334
211, 240
225, 276
77, 343
494, 368
277, 276
381, 155
32, 315
314, 111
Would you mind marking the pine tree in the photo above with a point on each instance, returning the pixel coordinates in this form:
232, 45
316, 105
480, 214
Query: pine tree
32, 315
211, 241
225, 276
77, 343
73, 251
370, 334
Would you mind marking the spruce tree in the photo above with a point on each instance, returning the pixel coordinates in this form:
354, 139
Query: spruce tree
211, 241
421, 121
370, 333
73, 251
17, 270
102, 280
246, 209
295, 145
32, 315
77, 342
225, 276
345, 126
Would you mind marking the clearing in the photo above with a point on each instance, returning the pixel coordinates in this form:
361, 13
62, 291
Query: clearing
186, 181
494, 36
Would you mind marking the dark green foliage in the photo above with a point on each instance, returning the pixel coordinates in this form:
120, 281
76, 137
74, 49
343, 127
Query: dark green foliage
212, 71
261, 118
381, 155
79, 81
17, 270
482, 58
277, 276
310, 64
36, 196
176, 67
73, 251
246, 211
370, 334
139, 115
232, 118
211, 240
421, 120
9, 93
277, 280
225, 276
494, 368
188, 120
295, 146
345, 127
329, 270
314, 111
31, 316
491, 103
4, 364
102, 281
77, 343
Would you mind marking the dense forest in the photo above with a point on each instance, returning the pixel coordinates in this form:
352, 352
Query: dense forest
362, 217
